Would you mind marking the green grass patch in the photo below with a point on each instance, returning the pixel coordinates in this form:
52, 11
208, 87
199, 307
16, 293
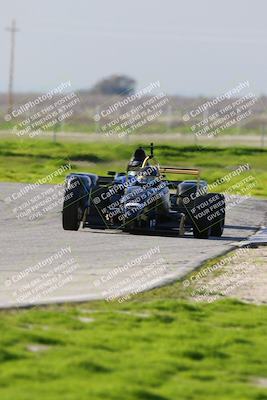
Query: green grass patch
29, 160
155, 346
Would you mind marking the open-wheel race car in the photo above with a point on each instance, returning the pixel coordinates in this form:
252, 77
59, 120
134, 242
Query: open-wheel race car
143, 199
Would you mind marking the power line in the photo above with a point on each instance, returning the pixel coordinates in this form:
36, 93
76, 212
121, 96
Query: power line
12, 31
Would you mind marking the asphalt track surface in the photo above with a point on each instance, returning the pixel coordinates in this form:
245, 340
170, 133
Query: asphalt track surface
40, 263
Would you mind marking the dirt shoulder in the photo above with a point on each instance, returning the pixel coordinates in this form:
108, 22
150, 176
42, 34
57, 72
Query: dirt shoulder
242, 274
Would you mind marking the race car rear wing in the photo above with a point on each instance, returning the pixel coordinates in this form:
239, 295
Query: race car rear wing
180, 171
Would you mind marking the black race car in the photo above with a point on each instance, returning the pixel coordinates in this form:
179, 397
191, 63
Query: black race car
143, 199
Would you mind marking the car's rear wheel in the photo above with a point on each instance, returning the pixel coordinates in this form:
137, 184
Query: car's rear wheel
217, 228
208, 216
201, 234
198, 211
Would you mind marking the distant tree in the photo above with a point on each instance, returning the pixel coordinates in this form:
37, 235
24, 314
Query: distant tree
115, 85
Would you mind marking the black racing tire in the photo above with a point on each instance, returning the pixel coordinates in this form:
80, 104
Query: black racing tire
129, 226
218, 226
217, 229
201, 234
71, 217
72, 207
212, 221
75, 201
200, 225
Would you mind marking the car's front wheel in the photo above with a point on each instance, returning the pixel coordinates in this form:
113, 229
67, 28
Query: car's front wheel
71, 217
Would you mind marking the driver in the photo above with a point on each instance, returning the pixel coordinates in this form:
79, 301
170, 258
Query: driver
148, 175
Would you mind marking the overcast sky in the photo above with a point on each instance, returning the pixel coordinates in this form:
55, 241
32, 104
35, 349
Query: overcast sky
192, 47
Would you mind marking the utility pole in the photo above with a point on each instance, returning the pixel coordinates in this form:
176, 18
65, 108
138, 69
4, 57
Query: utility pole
262, 136
12, 31
169, 117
